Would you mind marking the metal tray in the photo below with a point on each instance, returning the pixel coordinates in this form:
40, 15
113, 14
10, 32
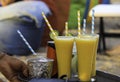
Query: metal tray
101, 77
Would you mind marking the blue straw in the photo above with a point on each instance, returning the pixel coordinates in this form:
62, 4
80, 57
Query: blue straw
93, 22
26, 42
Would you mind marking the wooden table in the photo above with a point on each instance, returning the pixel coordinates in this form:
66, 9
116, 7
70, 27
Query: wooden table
102, 11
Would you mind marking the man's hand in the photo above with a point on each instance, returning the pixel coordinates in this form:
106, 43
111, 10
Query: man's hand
11, 67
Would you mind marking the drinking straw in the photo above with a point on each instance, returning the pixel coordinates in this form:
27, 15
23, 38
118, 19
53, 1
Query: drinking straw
93, 22
79, 30
84, 26
50, 27
66, 28
26, 42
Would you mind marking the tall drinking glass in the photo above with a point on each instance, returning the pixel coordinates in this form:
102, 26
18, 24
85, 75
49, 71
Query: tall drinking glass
64, 46
95, 53
85, 50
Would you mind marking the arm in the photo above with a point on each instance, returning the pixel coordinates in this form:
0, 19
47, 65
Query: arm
26, 8
25, 16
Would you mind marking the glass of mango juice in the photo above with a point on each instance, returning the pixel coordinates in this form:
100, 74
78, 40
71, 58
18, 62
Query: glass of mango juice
64, 46
86, 51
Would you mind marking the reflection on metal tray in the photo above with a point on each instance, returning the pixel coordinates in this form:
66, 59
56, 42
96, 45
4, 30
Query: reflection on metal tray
106, 77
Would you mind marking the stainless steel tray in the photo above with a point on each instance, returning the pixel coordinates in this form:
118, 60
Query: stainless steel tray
101, 77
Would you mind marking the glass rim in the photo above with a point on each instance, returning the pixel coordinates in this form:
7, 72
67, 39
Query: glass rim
50, 41
65, 37
87, 37
40, 60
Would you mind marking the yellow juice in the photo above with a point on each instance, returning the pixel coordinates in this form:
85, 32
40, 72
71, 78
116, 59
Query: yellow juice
85, 51
64, 45
95, 53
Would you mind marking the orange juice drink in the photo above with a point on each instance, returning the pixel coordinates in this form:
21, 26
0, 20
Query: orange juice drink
95, 53
64, 45
85, 51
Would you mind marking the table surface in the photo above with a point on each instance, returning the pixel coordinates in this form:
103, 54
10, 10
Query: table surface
106, 10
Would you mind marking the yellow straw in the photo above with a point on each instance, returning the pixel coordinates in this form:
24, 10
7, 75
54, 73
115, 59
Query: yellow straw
50, 27
66, 28
79, 30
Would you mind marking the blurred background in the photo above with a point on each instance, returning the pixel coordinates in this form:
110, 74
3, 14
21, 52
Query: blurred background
108, 61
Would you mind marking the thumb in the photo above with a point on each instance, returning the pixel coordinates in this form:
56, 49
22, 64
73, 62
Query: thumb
24, 69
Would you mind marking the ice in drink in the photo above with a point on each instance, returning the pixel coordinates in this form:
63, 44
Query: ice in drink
64, 46
85, 51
